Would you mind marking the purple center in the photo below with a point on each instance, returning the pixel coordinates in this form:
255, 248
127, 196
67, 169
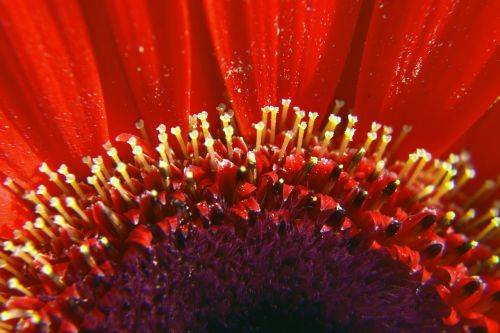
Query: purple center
272, 279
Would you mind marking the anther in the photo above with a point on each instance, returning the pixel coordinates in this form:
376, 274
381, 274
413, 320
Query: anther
28, 226
348, 135
205, 126
176, 131
310, 126
96, 170
115, 181
140, 126
53, 177
85, 251
49, 272
370, 137
8, 182
299, 114
42, 225
193, 135
225, 119
228, 131
286, 141
100, 162
113, 153
42, 190
302, 127
333, 122
285, 106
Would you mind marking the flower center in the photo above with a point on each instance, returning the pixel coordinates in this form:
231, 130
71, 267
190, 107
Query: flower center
163, 227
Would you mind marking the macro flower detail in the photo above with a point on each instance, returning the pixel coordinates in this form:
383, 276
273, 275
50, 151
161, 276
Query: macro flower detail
277, 208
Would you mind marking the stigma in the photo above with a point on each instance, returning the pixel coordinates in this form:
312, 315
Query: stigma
325, 177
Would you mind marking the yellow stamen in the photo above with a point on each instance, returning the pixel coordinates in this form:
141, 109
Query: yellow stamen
209, 143
299, 114
286, 140
205, 127
139, 153
85, 251
115, 181
113, 153
494, 223
56, 203
252, 163
327, 138
96, 170
14, 283
310, 126
53, 177
467, 175
28, 226
274, 112
348, 135
71, 179
370, 137
100, 162
43, 226
442, 190
122, 169
49, 272
382, 145
404, 133
193, 135
259, 127
228, 131
302, 128
193, 123
332, 124
285, 106
163, 138
92, 180
73, 204
225, 119
42, 190
12, 185
424, 158
140, 126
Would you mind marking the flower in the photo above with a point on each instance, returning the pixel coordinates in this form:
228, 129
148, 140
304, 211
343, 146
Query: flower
268, 217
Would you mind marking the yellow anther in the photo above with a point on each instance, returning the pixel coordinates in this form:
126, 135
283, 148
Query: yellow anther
370, 137
193, 135
378, 169
327, 138
14, 283
382, 145
176, 131
113, 153
71, 179
44, 227
21, 254
42, 210
44, 168
333, 122
229, 131
92, 180
299, 114
12, 185
202, 116
465, 176
18, 314
31, 196
300, 138
288, 137
259, 127
49, 272
351, 121
426, 191
375, 127
115, 181
56, 203
348, 135
63, 169
205, 127
122, 169
469, 215
209, 143
424, 157
62, 223
310, 126
163, 138
140, 126
73, 204
19, 235
8, 246
165, 168
338, 105
139, 153
85, 251
274, 111
387, 130
285, 106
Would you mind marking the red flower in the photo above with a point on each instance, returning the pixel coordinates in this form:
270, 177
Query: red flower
77, 74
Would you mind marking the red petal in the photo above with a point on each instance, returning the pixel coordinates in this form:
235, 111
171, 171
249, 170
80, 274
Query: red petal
49, 87
268, 50
152, 39
13, 213
431, 64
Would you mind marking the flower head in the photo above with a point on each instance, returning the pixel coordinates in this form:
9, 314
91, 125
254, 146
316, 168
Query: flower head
280, 208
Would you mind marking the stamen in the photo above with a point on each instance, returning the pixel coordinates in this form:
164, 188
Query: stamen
72, 203
424, 158
332, 124
338, 105
300, 138
113, 153
49, 272
14, 283
299, 114
140, 126
42, 225
228, 131
28, 226
209, 143
265, 112
122, 169
163, 138
96, 170
193, 135
310, 126
285, 106
192, 123
205, 126
92, 180
274, 112
412, 159
42, 190
327, 138
464, 177
85, 251
348, 135
494, 223
370, 137
176, 131
226, 119
286, 141
56, 203
252, 163
259, 127
71, 179
139, 153
12, 186
100, 162
382, 145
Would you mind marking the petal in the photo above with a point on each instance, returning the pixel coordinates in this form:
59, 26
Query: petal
153, 48
50, 95
12, 213
268, 50
431, 64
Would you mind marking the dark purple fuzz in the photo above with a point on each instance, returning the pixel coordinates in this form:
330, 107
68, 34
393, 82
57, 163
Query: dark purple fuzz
270, 280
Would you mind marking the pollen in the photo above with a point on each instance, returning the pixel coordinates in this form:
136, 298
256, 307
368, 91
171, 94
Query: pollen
298, 171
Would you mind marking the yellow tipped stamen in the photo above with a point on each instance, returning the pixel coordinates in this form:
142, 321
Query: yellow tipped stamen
18, 314
494, 224
404, 133
209, 143
73, 204
42, 210
100, 162
205, 127
193, 135
375, 127
28, 226
424, 158
252, 166
378, 169
302, 128
61, 222
44, 227
332, 124
387, 130
327, 138
274, 111
176, 131
163, 138
92, 180
122, 169
14, 283
338, 105
85, 251
310, 126
165, 169
42, 190
132, 142
228, 131
442, 190
115, 182
265, 112
225, 119
286, 141
71, 179
12, 185
285, 106
139, 153
259, 127
489, 185
31, 196
113, 153
6, 266
161, 150
49, 272
426, 191
351, 121
56, 203
96, 170
140, 126
382, 145
348, 135
412, 159
370, 137
299, 114
54, 177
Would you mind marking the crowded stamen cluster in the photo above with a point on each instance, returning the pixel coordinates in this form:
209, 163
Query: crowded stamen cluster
294, 171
